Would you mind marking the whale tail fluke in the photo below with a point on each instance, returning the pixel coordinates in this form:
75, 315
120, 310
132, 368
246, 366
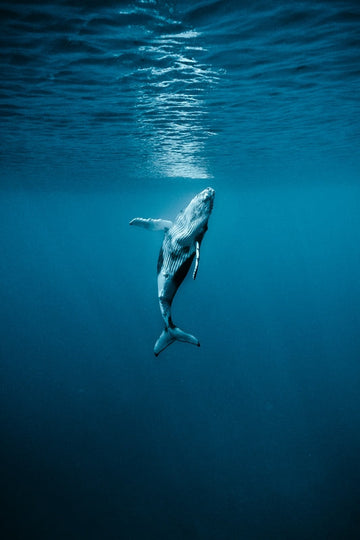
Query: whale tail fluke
169, 335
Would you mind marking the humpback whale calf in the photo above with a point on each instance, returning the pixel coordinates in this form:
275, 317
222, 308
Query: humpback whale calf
181, 244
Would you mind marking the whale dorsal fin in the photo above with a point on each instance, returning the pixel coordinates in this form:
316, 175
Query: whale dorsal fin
197, 259
152, 224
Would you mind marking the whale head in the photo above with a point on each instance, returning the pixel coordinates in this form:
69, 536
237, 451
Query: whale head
197, 213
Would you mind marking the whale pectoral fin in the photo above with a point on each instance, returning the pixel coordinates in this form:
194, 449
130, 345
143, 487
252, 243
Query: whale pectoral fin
197, 259
152, 224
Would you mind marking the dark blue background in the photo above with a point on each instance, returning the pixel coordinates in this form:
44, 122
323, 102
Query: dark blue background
256, 434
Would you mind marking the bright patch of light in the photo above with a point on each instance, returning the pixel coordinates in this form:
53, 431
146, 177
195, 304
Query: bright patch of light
171, 111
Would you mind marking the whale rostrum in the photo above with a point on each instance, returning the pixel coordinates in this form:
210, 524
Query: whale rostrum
181, 244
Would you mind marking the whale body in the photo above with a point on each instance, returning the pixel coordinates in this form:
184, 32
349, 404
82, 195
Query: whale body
181, 244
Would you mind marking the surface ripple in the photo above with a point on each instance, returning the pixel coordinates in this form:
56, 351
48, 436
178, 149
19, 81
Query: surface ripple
169, 89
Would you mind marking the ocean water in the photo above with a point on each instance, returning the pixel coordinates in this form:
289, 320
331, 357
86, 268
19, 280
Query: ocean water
113, 110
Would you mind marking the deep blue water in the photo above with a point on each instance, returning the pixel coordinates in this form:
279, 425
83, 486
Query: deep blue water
113, 110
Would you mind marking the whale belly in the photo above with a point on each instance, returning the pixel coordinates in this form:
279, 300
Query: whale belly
173, 264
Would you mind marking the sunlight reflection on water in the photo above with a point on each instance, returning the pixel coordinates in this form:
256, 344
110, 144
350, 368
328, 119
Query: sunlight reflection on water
171, 120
